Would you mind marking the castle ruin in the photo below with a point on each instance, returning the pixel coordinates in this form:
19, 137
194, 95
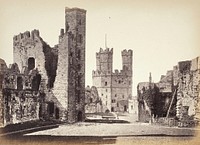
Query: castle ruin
61, 71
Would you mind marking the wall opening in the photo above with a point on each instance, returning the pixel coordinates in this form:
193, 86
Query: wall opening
80, 116
31, 63
57, 113
112, 109
78, 96
36, 82
40, 111
125, 108
91, 100
50, 109
19, 83
106, 83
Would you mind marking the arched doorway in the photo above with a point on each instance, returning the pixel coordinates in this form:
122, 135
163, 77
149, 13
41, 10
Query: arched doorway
80, 116
57, 113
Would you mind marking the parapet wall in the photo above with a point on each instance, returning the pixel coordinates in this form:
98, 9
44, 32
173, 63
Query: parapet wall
25, 35
127, 52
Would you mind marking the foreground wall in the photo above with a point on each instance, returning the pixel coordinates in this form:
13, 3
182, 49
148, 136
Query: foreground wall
21, 96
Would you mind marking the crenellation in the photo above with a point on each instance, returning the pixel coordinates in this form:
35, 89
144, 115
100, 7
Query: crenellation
127, 52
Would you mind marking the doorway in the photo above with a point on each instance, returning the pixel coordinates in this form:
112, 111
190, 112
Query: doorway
80, 116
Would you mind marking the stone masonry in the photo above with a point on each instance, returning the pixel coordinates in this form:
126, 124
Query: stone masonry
21, 96
114, 88
182, 84
62, 68
3, 69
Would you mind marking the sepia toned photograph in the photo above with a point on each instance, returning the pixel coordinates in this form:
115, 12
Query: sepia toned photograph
100, 72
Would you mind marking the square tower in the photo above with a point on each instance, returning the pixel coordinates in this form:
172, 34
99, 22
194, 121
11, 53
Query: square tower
70, 80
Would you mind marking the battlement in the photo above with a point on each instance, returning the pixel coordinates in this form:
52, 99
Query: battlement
107, 50
99, 73
118, 72
26, 35
127, 52
74, 9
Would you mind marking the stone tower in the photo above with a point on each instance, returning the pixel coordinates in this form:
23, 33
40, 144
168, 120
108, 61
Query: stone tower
102, 77
122, 83
104, 60
115, 88
127, 61
70, 80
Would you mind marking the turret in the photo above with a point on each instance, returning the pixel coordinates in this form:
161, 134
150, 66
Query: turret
104, 60
127, 60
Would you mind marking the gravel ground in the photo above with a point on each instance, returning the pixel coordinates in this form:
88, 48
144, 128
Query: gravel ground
103, 129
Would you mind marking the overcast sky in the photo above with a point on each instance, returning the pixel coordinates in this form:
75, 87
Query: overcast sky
160, 32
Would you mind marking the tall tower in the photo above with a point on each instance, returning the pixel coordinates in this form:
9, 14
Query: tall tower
127, 60
70, 80
102, 77
75, 23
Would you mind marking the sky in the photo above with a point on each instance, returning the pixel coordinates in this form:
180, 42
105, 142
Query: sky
160, 32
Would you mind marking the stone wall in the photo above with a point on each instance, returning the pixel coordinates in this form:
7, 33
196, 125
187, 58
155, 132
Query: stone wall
188, 88
21, 96
31, 51
3, 68
62, 67
93, 102
183, 85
